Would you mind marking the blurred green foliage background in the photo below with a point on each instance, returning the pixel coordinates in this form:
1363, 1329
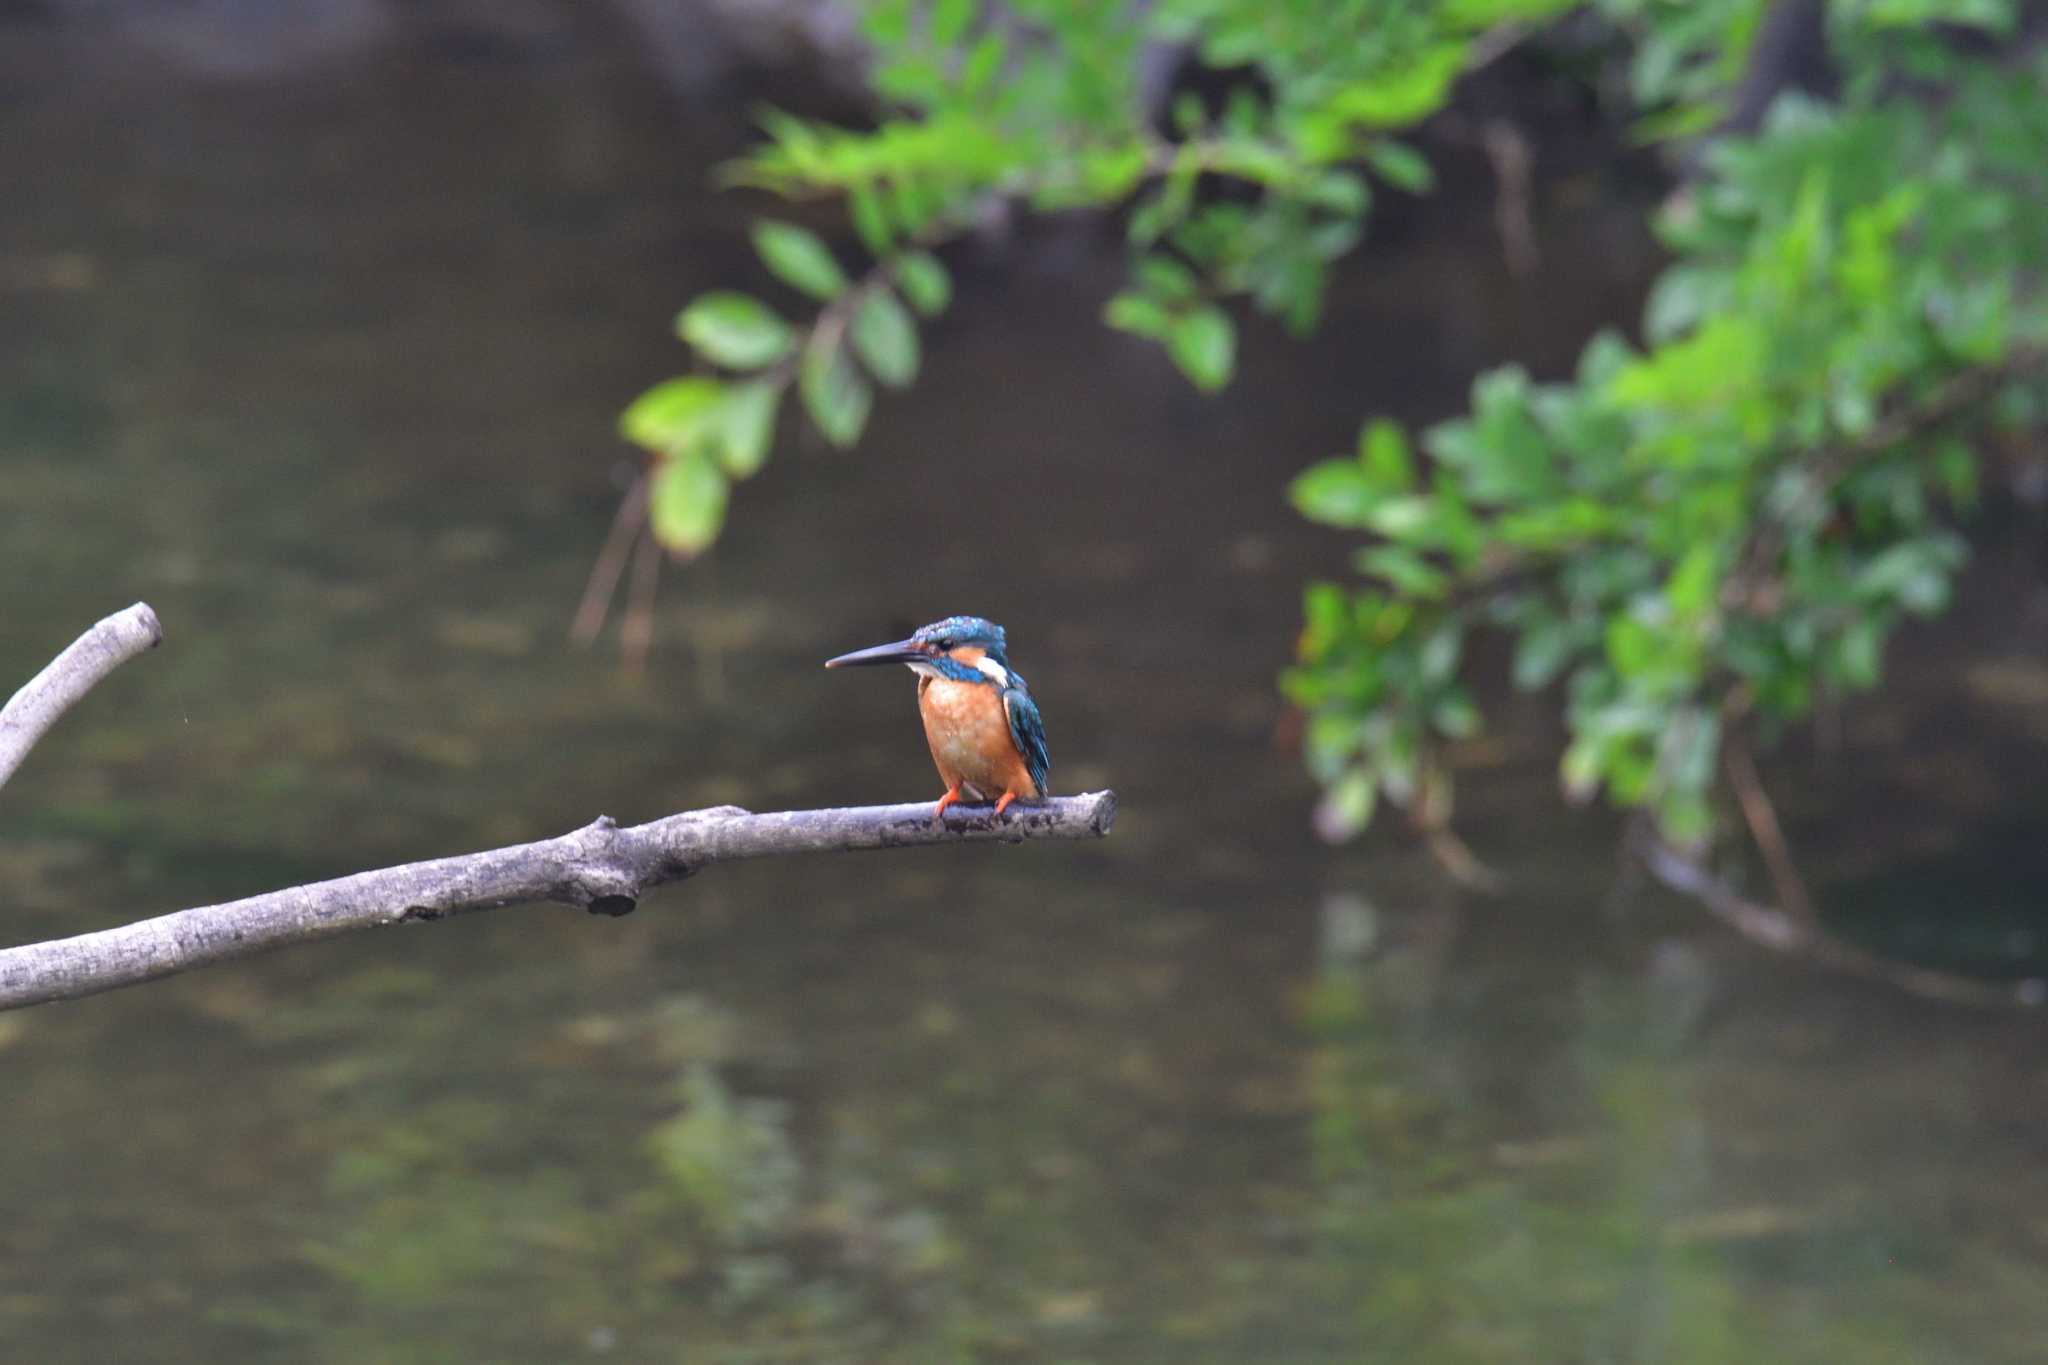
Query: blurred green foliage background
1697, 538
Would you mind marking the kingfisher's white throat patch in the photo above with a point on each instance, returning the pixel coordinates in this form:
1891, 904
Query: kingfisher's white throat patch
987, 667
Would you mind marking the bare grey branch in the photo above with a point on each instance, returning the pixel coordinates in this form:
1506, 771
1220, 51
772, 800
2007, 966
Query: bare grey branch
72, 674
602, 867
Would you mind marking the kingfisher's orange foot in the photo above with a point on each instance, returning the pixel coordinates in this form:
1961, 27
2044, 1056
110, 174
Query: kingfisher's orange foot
1004, 804
939, 813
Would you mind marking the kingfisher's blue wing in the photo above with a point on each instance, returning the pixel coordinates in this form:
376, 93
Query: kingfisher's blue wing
1027, 732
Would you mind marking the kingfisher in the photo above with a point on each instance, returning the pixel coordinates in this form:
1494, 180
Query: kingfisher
979, 719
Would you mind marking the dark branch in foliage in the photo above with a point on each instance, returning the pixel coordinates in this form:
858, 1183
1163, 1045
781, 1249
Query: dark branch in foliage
1798, 936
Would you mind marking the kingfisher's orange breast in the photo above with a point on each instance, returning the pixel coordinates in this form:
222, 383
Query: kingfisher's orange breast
969, 735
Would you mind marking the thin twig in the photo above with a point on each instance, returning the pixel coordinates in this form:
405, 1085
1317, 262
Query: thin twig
1459, 862
627, 527
636, 630
1762, 818
1509, 153
50, 693
602, 867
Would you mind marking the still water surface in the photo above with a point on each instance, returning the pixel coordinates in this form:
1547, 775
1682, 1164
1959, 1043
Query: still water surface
327, 373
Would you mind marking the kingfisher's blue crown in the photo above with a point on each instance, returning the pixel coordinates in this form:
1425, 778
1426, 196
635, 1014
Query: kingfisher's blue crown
964, 630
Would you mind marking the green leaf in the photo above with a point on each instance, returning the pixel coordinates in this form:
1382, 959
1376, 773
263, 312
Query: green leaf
913, 203
1407, 572
686, 504
1679, 121
1503, 449
1914, 574
924, 282
886, 22
1341, 192
800, 259
1483, 14
1682, 296
1859, 657
1398, 518
673, 416
1397, 757
1708, 369
1111, 173
1150, 219
950, 19
983, 62
1401, 166
1383, 451
1996, 15
1696, 581
1330, 741
1541, 653
885, 338
1401, 95
1325, 608
1955, 469
1254, 160
870, 219
1556, 525
1336, 493
1346, 808
1579, 769
735, 330
1455, 716
1633, 646
1165, 279
1438, 660
1204, 344
1136, 313
1688, 748
746, 427
833, 392
1685, 818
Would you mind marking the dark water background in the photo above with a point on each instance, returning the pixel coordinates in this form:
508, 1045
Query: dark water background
326, 369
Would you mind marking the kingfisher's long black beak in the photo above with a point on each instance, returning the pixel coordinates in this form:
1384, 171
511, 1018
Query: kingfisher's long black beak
901, 652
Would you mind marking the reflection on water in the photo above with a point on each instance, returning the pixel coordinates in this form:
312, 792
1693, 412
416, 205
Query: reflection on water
327, 373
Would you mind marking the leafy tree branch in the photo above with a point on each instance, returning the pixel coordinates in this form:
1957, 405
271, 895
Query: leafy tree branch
1745, 508
1042, 105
